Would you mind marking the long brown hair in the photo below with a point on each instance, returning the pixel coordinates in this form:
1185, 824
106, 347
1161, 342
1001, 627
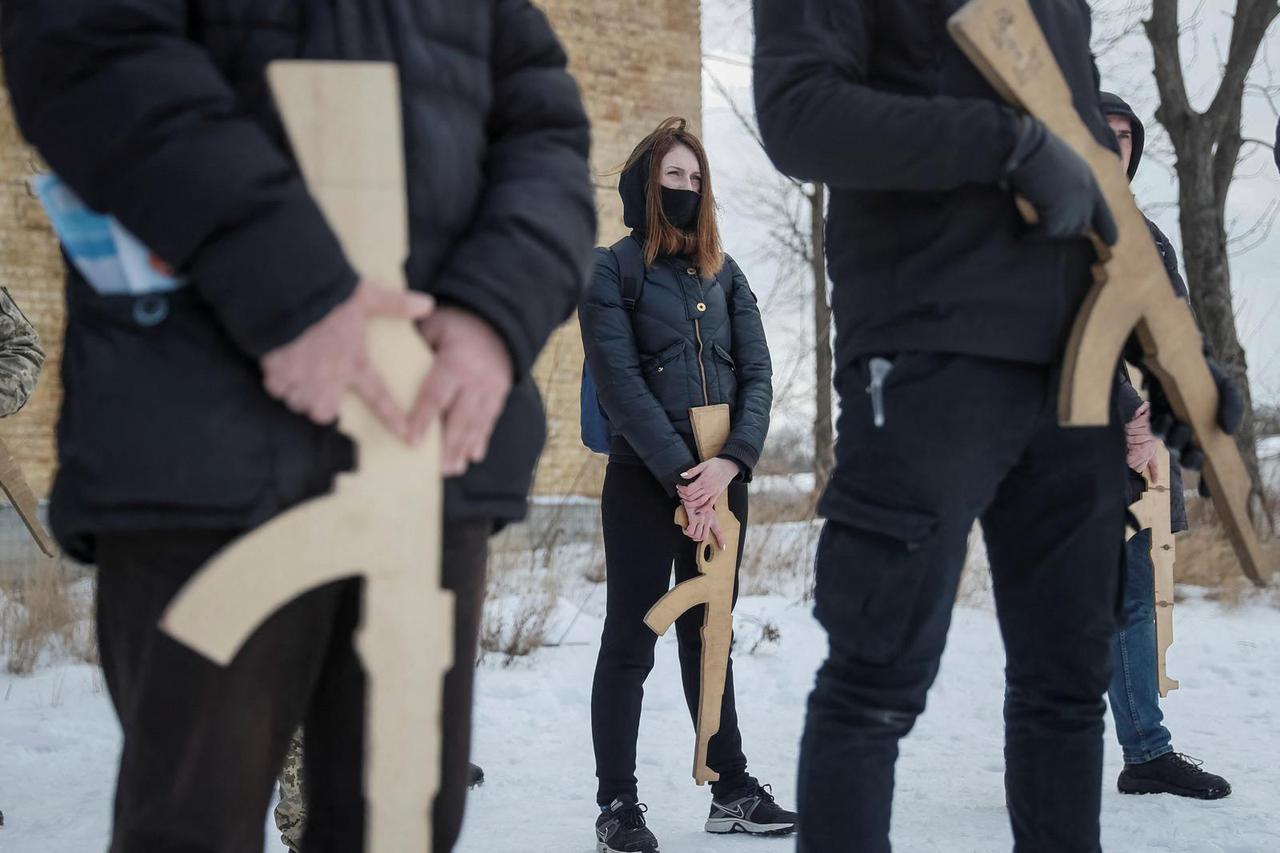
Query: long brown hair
702, 243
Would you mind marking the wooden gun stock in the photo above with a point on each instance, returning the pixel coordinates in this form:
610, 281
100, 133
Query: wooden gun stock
714, 588
1131, 291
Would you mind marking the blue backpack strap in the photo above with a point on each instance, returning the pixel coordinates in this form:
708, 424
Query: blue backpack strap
628, 256
628, 262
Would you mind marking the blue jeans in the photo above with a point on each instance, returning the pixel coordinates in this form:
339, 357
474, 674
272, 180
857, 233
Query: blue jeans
1134, 690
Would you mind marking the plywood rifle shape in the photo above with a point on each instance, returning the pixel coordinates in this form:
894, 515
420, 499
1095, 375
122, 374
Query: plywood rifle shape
713, 587
1153, 513
24, 502
1131, 292
381, 522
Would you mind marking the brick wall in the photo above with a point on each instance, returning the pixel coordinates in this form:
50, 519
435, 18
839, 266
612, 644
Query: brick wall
636, 64
31, 268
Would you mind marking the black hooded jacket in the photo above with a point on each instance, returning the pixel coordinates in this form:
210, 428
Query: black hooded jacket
157, 111
927, 250
690, 340
1130, 400
1114, 105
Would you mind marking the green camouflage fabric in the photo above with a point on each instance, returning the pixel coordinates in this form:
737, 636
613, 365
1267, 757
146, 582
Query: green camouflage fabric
20, 356
291, 812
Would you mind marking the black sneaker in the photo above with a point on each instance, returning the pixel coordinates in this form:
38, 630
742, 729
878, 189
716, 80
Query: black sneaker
620, 829
750, 809
1172, 773
477, 776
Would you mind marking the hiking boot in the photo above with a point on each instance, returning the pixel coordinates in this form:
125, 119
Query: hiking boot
620, 829
1173, 773
476, 778
750, 809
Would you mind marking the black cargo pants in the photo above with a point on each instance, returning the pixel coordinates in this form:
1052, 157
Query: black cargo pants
964, 438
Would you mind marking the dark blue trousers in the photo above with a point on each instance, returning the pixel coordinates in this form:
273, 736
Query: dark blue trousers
963, 439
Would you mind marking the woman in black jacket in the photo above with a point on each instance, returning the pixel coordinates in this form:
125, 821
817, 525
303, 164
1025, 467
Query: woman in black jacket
689, 336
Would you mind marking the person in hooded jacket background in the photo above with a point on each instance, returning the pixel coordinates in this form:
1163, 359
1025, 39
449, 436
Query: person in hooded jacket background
691, 337
1150, 764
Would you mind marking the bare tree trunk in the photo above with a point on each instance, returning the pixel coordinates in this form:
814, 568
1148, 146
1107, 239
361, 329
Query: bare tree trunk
1208, 148
1205, 250
824, 453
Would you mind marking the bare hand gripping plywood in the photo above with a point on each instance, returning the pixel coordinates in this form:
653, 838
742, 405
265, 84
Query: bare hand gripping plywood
382, 522
1132, 293
714, 588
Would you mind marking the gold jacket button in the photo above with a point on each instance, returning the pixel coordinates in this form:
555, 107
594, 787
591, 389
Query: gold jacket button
702, 306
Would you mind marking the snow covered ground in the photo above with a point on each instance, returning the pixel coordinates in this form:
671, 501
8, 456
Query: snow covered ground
58, 743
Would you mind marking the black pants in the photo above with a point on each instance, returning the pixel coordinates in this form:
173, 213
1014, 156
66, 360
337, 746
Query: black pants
964, 438
203, 744
641, 541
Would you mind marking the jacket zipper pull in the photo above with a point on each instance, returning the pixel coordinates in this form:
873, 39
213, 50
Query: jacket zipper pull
880, 369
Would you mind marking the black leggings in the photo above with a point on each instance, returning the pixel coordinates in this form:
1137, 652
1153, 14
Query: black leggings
641, 541
203, 744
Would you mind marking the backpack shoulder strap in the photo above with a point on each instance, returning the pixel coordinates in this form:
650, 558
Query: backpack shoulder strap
629, 258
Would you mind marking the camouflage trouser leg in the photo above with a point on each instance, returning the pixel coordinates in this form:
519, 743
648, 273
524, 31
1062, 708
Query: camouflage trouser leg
291, 813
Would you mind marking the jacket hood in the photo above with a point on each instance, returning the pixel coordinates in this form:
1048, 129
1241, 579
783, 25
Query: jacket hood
1114, 105
632, 186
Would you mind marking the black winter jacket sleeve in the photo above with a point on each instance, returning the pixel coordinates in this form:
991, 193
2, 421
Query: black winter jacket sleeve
138, 121
633, 411
1130, 399
537, 216
755, 376
821, 121
1170, 257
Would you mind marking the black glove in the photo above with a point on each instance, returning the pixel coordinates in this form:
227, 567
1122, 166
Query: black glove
1057, 181
1177, 436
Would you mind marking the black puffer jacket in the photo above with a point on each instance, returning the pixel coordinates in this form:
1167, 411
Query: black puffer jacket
925, 245
649, 363
157, 112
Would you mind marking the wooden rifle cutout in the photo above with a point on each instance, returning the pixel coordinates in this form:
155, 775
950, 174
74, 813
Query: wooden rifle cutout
713, 587
1131, 292
381, 523
1154, 512
24, 502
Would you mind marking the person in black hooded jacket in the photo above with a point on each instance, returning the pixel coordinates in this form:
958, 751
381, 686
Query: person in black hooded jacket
693, 337
193, 415
1150, 764
951, 319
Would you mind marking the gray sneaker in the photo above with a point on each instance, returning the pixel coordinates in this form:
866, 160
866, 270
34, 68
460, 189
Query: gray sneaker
750, 809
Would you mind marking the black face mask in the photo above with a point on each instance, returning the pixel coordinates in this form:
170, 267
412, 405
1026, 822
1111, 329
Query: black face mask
680, 207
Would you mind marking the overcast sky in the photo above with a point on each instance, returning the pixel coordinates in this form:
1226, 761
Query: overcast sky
743, 175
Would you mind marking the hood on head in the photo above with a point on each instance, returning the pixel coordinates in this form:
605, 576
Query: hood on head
632, 186
1114, 105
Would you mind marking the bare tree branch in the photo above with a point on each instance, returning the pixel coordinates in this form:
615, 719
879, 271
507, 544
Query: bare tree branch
1162, 31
